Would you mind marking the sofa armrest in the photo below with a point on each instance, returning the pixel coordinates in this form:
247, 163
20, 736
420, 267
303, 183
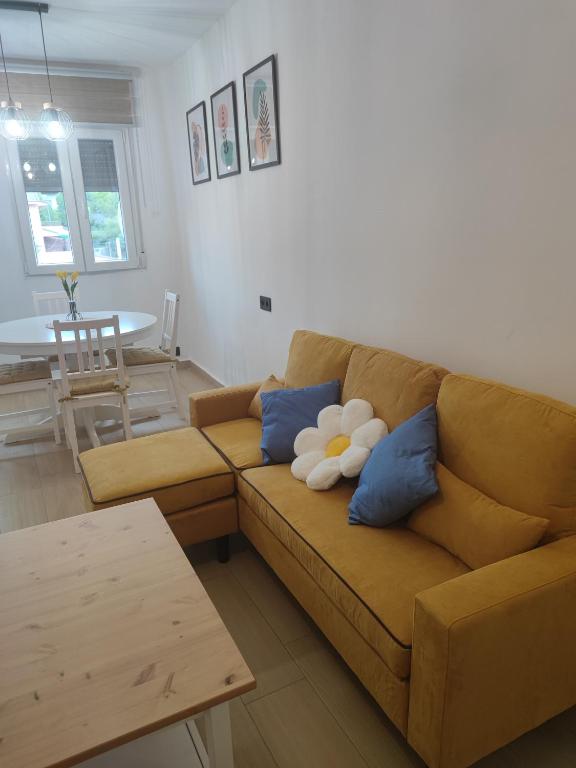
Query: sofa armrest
213, 406
494, 655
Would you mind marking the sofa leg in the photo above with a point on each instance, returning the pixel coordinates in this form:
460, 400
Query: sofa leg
223, 549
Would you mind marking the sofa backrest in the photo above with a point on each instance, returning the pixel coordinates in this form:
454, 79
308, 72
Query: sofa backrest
397, 386
315, 359
517, 447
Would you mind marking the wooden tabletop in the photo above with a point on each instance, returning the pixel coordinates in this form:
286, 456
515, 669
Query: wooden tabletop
106, 634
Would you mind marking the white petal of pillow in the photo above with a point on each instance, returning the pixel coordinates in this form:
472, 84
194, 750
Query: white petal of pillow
354, 414
303, 465
309, 439
329, 420
369, 434
325, 474
353, 459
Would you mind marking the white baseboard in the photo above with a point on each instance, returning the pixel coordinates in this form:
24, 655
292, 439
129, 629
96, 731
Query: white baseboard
186, 362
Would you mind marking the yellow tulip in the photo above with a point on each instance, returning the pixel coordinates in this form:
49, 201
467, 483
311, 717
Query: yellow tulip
75, 276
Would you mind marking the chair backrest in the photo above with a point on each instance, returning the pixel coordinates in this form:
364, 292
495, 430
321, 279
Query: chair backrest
88, 339
50, 302
170, 322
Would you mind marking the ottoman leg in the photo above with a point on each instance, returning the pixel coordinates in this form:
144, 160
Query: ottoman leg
223, 549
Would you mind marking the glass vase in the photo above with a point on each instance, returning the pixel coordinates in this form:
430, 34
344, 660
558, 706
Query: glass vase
73, 314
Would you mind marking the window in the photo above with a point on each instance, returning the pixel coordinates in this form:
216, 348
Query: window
75, 201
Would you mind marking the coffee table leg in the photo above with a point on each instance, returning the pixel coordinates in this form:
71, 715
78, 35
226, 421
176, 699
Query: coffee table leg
219, 737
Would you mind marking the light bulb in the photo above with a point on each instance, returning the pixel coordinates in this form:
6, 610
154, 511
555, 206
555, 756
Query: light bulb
14, 123
15, 129
52, 167
55, 123
55, 130
30, 176
27, 167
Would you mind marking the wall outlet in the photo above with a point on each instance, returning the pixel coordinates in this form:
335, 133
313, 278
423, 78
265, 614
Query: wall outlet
266, 303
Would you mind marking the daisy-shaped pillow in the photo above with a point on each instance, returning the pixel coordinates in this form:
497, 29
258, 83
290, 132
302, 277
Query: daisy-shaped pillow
339, 446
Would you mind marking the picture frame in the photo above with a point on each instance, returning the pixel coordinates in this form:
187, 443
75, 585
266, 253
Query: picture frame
225, 131
262, 114
198, 143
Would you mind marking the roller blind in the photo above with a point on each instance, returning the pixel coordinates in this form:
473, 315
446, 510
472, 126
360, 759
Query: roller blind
98, 165
86, 99
39, 160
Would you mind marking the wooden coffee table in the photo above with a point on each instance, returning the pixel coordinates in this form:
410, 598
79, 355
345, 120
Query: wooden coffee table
107, 634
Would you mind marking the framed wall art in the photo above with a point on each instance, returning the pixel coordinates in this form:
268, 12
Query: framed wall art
261, 110
225, 125
198, 142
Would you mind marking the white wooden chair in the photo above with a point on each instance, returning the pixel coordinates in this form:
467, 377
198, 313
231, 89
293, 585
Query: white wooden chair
29, 376
50, 302
144, 360
88, 382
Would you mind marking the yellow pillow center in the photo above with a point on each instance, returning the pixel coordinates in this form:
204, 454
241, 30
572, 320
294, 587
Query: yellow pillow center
337, 445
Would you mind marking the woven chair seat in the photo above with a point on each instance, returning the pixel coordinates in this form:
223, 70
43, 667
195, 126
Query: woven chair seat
140, 356
26, 370
95, 385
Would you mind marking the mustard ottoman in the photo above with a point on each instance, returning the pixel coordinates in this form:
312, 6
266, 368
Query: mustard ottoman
180, 470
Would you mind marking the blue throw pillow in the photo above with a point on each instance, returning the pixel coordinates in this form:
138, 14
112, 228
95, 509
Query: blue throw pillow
399, 475
285, 412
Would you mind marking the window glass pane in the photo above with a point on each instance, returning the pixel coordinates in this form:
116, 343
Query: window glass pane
43, 184
103, 199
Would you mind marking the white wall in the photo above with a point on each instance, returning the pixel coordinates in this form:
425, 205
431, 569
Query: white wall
426, 199
141, 289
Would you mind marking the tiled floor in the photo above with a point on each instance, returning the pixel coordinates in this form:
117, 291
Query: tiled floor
308, 710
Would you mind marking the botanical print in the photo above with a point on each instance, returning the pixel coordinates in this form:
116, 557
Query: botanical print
225, 124
198, 149
199, 155
261, 110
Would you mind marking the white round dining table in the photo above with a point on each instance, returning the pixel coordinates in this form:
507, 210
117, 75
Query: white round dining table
32, 336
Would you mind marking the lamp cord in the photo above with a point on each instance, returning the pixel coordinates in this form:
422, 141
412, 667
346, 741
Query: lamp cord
5, 70
45, 56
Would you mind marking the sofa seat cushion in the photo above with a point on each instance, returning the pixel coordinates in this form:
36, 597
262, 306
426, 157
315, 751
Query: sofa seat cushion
238, 441
371, 575
179, 469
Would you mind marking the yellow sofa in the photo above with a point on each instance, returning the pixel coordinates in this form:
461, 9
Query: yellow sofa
462, 661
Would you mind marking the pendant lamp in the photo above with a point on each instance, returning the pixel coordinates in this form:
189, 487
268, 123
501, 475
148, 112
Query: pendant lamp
55, 123
14, 122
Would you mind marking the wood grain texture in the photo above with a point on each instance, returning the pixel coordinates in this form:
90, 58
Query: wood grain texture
106, 634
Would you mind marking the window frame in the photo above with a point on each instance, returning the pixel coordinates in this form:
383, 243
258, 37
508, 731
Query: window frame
76, 205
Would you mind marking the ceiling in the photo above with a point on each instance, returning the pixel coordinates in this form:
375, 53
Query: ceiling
131, 33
